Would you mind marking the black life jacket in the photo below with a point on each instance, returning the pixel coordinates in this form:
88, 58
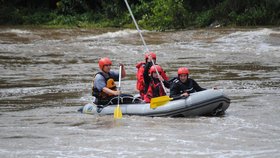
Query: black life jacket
184, 87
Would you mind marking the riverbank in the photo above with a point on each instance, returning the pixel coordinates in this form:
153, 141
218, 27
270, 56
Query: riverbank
156, 15
132, 27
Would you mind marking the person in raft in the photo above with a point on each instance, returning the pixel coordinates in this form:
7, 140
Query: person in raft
153, 85
140, 84
183, 85
103, 86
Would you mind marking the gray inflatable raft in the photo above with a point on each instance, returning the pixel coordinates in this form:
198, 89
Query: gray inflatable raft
205, 103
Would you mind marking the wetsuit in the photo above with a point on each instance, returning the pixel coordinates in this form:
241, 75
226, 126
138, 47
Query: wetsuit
177, 87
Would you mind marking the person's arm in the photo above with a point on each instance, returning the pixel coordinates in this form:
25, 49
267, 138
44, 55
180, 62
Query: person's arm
147, 78
148, 65
164, 81
164, 76
100, 84
123, 70
110, 92
166, 84
174, 90
197, 87
140, 74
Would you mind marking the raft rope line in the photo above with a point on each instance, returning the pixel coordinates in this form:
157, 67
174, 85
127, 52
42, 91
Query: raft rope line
147, 49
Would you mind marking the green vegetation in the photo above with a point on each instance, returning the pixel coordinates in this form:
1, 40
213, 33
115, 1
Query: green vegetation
156, 14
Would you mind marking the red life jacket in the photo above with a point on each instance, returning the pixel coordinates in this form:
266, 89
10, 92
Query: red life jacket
140, 84
154, 90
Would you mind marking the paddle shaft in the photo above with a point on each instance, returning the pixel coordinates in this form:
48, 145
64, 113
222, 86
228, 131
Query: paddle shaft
139, 31
118, 111
119, 86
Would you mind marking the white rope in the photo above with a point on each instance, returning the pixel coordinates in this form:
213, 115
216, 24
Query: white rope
147, 49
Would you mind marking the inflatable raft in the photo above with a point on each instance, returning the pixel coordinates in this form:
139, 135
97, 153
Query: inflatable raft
205, 103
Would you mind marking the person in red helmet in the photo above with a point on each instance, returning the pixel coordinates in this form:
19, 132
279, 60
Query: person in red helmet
140, 84
104, 87
183, 85
154, 87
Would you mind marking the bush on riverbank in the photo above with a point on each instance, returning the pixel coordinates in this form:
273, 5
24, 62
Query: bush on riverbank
156, 14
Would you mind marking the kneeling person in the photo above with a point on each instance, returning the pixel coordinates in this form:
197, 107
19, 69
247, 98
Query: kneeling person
104, 87
154, 87
183, 85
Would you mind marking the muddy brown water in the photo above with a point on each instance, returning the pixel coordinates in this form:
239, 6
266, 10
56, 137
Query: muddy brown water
46, 76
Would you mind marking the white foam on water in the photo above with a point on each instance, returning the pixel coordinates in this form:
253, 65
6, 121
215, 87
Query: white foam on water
106, 35
30, 91
250, 41
16, 31
253, 42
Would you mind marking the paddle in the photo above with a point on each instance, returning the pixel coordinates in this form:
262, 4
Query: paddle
118, 111
159, 101
162, 100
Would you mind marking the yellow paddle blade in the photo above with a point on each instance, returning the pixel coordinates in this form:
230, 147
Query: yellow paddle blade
117, 112
159, 101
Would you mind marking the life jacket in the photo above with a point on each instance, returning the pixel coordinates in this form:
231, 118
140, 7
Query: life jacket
110, 83
140, 84
154, 90
185, 87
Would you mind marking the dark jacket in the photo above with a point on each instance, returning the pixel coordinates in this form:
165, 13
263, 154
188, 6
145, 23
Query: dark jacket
177, 87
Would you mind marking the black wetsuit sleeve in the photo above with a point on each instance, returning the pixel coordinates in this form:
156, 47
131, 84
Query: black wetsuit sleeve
147, 78
197, 87
166, 84
174, 90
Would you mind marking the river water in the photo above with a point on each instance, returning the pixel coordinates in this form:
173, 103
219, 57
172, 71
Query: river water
46, 76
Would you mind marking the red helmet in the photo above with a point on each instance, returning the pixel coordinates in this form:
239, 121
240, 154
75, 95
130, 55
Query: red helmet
152, 54
104, 61
153, 69
183, 70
